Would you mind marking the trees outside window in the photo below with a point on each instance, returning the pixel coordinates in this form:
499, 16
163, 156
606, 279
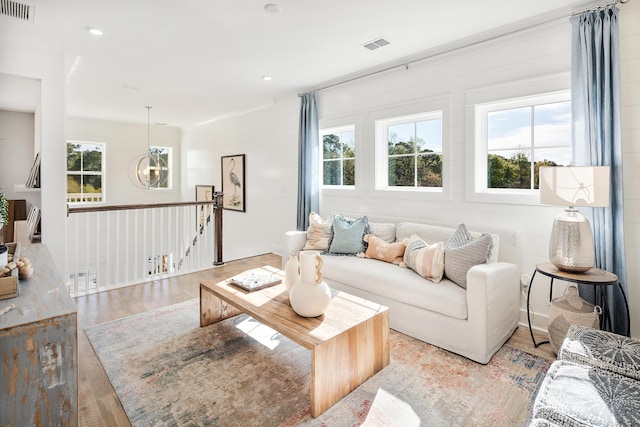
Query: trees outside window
85, 172
414, 150
519, 136
338, 157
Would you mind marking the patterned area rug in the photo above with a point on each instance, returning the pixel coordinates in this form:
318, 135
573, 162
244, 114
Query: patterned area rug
167, 371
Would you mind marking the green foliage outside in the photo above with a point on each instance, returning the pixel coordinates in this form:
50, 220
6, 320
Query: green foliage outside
84, 162
402, 170
339, 162
513, 172
4, 209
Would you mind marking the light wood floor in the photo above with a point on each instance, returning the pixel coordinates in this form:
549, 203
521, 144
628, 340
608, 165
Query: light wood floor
98, 404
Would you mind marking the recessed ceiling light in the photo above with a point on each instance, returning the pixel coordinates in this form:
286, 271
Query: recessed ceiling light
95, 31
266, 78
272, 8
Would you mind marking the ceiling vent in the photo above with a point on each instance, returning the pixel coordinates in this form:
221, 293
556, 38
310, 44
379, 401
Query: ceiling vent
373, 45
14, 9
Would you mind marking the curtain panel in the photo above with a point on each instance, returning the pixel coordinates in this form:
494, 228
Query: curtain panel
595, 93
308, 160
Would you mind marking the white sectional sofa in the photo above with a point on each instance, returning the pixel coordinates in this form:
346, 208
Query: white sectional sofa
473, 322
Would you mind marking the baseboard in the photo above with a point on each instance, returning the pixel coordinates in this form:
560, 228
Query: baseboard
539, 321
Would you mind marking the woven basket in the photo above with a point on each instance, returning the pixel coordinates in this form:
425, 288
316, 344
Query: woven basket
567, 310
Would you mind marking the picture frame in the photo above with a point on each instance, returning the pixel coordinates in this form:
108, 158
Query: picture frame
233, 182
203, 193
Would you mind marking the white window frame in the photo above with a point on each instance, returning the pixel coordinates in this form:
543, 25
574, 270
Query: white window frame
169, 168
334, 130
102, 173
477, 110
382, 152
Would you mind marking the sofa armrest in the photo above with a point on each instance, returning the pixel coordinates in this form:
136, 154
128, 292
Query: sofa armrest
493, 298
293, 242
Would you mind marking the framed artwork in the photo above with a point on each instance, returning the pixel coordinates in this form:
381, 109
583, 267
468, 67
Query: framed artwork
233, 184
203, 193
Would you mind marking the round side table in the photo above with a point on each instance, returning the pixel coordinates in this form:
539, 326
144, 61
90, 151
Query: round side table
594, 277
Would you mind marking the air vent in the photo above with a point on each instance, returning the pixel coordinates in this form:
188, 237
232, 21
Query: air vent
14, 9
373, 45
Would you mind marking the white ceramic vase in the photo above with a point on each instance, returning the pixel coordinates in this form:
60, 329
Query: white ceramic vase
291, 275
310, 296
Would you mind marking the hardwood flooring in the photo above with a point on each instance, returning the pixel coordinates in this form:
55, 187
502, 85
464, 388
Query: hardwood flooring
98, 404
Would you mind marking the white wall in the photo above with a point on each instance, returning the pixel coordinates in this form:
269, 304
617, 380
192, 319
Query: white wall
537, 59
16, 151
123, 142
49, 137
269, 139
630, 76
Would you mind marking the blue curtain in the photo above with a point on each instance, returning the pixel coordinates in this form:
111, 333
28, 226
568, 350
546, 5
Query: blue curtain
595, 95
308, 160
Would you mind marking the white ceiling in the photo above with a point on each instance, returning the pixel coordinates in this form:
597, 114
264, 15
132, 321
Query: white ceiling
198, 60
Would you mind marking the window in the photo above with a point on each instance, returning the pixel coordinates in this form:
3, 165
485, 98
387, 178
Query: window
516, 137
413, 150
338, 156
85, 166
160, 173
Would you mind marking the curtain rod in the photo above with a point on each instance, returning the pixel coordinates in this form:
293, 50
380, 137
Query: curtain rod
464, 46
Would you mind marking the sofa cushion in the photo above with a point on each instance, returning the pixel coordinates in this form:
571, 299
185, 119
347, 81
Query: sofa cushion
384, 251
318, 232
347, 236
462, 252
383, 230
399, 284
424, 258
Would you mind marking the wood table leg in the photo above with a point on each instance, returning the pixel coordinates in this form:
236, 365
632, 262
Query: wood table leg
341, 364
213, 309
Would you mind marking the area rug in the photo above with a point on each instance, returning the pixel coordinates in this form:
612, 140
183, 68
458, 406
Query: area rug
167, 371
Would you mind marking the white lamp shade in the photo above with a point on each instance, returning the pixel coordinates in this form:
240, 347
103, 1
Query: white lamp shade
574, 185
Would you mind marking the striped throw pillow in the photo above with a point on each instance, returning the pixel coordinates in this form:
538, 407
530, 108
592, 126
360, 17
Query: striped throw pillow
424, 258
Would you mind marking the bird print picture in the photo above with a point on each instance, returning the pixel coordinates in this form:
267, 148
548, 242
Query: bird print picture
233, 185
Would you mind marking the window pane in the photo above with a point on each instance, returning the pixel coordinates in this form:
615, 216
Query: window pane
429, 136
550, 157
509, 128
401, 139
348, 144
509, 170
74, 157
331, 172
349, 172
552, 124
92, 158
401, 171
73, 184
92, 184
331, 146
430, 170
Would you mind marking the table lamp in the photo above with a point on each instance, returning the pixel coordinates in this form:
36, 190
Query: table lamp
571, 246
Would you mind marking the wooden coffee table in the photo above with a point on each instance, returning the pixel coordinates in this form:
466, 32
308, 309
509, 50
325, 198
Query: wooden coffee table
349, 343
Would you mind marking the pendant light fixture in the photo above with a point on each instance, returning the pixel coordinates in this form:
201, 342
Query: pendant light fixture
150, 169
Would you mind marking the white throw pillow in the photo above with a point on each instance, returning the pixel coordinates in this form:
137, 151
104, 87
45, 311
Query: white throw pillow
318, 232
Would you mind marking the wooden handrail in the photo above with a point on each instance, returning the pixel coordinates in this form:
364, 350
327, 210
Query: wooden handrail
103, 208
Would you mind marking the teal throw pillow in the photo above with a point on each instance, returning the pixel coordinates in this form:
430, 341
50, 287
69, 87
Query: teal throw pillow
347, 235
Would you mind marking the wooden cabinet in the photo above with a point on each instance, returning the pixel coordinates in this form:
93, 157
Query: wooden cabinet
39, 350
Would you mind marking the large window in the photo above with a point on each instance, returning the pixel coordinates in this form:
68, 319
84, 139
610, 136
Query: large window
85, 172
338, 156
161, 173
516, 137
413, 150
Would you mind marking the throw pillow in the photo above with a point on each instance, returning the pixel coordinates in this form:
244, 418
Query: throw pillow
385, 231
382, 250
347, 235
425, 259
318, 232
462, 252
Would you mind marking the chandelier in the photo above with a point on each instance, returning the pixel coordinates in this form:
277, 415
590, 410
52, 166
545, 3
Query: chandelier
150, 169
